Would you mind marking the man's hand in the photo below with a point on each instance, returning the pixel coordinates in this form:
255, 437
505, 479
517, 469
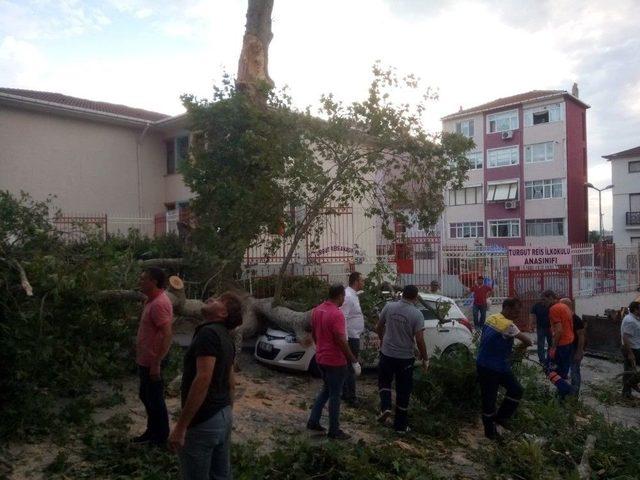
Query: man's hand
176, 438
632, 361
425, 364
552, 353
578, 356
357, 369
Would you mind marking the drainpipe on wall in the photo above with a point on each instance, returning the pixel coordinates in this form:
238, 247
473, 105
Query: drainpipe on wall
138, 155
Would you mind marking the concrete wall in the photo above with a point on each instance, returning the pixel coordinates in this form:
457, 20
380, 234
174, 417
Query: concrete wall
624, 183
597, 304
90, 167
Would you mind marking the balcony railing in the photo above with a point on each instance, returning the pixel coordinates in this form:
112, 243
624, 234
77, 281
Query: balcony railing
633, 218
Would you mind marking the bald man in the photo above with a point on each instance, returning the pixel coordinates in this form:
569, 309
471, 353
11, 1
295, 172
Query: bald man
561, 351
579, 343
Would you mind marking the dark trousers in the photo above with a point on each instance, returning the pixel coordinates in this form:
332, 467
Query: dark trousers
152, 396
402, 370
544, 336
479, 315
333, 381
564, 356
349, 390
628, 378
490, 382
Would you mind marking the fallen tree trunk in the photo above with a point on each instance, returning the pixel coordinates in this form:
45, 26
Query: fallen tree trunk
163, 262
254, 311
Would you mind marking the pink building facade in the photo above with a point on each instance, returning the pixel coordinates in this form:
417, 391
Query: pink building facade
528, 172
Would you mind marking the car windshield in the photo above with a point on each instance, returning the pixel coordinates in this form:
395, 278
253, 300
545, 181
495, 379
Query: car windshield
429, 312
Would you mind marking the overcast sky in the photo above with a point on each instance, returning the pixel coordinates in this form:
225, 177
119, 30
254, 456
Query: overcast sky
145, 53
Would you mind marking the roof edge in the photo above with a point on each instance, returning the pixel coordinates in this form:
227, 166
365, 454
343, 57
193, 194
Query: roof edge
20, 101
475, 111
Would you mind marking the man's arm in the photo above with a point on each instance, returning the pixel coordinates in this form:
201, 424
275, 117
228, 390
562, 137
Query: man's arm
344, 346
422, 347
524, 341
163, 342
579, 354
532, 320
232, 384
195, 397
381, 322
626, 346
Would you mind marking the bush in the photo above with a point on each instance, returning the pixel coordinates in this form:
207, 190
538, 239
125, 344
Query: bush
56, 343
446, 397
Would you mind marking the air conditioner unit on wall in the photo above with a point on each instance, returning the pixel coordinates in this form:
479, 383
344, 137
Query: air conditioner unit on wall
507, 135
511, 204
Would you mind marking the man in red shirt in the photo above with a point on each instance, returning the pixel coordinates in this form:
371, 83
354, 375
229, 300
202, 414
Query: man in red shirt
152, 345
480, 293
328, 328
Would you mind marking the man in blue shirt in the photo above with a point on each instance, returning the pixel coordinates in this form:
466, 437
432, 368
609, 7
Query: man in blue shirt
494, 366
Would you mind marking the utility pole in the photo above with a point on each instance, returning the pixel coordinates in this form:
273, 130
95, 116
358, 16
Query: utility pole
600, 190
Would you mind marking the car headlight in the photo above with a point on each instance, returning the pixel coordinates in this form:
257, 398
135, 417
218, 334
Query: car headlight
291, 339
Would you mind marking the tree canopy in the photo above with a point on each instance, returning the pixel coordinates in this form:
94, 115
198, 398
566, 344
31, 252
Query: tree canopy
268, 169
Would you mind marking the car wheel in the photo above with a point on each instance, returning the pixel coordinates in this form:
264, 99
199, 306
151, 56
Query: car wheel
455, 351
314, 370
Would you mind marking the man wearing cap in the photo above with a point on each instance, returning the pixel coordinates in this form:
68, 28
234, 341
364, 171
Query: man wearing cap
400, 328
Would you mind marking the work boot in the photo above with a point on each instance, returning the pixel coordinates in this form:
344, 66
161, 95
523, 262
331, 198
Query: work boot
339, 435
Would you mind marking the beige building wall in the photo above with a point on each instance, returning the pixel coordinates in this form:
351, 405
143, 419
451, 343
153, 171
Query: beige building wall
624, 184
91, 167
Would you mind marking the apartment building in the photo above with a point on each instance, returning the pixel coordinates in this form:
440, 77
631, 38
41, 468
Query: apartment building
528, 170
625, 174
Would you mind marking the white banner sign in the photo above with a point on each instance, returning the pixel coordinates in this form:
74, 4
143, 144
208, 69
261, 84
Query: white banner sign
536, 255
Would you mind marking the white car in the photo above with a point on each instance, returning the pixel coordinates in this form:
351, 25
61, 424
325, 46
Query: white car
451, 335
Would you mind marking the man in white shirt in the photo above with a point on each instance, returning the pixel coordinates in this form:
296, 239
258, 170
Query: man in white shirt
355, 326
630, 336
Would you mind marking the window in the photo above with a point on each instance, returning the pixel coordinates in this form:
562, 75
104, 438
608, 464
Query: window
504, 228
536, 189
466, 230
465, 196
500, 192
540, 115
545, 227
539, 152
465, 128
475, 160
634, 167
503, 121
502, 157
634, 202
177, 152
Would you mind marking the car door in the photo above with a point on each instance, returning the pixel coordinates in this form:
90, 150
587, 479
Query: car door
432, 332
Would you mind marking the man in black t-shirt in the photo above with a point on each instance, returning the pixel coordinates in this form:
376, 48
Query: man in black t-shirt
202, 434
540, 315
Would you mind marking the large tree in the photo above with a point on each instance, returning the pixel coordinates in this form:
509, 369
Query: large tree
260, 169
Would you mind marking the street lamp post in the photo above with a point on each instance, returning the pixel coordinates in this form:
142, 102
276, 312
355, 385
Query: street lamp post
599, 190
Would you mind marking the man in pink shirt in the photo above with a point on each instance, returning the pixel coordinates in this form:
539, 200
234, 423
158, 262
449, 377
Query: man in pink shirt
328, 328
152, 344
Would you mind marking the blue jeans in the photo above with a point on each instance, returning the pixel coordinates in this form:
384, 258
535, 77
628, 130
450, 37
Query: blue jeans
544, 335
479, 315
576, 378
333, 381
206, 454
